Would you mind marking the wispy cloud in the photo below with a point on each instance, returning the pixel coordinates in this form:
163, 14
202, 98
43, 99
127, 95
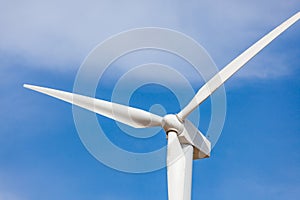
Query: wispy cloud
58, 35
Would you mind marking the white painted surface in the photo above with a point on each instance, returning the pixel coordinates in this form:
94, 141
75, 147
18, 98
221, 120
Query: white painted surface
134, 117
214, 83
179, 167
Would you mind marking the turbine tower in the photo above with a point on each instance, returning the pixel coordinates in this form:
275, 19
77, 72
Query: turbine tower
185, 141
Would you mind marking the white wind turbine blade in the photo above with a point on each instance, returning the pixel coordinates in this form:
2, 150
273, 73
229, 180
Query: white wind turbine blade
214, 83
134, 117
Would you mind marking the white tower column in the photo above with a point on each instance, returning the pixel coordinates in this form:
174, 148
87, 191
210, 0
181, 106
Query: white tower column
179, 167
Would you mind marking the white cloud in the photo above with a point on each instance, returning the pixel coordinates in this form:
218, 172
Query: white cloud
59, 34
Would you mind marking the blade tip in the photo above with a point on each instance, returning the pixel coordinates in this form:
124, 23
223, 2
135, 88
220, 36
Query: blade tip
31, 87
25, 85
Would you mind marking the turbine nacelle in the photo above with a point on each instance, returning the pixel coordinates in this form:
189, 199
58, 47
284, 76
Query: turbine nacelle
187, 134
191, 135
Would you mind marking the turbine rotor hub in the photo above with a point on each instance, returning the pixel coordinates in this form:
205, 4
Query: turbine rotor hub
172, 123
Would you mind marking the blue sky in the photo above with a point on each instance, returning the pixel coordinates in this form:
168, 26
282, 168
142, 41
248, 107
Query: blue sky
44, 43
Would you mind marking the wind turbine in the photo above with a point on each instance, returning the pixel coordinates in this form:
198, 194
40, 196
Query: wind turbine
185, 141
